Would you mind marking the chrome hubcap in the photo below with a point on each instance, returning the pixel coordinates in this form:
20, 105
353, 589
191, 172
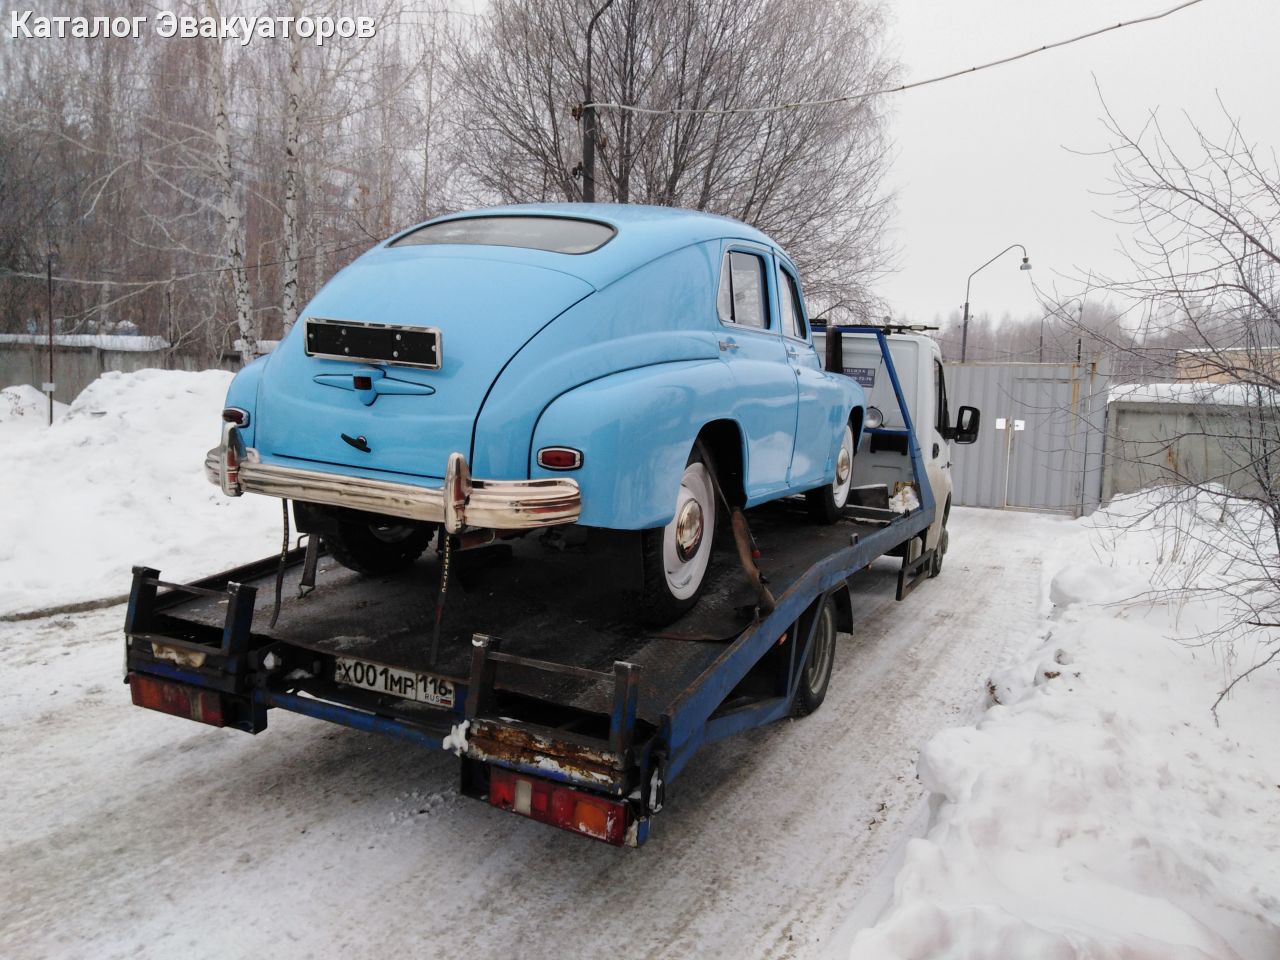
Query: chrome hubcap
688, 529
843, 464
686, 541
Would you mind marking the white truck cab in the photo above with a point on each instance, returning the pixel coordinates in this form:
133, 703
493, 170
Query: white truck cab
883, 458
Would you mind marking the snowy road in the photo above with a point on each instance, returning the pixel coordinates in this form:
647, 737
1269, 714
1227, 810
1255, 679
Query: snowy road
128, 833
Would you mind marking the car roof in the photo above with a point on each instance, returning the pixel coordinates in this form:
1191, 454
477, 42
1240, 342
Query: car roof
644, 233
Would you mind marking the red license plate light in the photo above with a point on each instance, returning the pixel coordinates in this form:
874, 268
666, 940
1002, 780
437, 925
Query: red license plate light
178, 699
559, 805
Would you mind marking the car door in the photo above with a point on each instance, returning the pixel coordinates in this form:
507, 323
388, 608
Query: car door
765, 404
816, 418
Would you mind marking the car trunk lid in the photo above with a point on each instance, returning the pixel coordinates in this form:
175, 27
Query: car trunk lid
375, 413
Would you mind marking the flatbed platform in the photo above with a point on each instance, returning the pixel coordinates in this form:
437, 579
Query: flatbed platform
554, 603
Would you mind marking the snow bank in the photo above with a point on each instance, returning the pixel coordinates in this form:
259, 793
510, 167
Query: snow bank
1214, 394
24, 407
126, 343
1096, 811
119, 480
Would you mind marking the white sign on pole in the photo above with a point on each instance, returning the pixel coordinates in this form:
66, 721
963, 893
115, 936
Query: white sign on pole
1019, 425
1000, 423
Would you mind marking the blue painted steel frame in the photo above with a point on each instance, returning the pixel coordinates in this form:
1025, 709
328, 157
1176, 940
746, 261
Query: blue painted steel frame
690, 726
690, 723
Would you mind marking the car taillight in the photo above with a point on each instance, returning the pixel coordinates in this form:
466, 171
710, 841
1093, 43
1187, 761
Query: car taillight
559, 458
179, 699
231, 469
236, 415
559, 805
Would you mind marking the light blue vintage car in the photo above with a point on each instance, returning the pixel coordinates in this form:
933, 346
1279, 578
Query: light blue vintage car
528, 366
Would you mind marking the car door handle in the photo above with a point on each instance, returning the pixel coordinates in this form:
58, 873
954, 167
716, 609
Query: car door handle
791, 352
728, 345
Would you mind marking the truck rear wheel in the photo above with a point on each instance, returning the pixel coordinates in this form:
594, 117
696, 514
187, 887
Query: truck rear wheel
826, 504
377, 546
674, 559
815, 677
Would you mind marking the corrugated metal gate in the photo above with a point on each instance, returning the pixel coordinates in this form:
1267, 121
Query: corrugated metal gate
1040, 445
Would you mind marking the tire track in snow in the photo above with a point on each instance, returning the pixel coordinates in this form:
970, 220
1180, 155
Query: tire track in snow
148, 833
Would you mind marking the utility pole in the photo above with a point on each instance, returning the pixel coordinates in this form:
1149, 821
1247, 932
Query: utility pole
50, 253
589, 119
168, 322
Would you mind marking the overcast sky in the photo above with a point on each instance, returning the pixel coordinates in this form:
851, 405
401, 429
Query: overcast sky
983, 161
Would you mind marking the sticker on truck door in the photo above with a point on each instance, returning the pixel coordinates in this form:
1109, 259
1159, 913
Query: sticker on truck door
865, 376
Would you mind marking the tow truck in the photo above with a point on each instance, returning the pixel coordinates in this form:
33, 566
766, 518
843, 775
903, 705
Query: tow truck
560, 707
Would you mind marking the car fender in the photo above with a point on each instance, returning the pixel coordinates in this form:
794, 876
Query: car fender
662, 312
635, 430
243, 393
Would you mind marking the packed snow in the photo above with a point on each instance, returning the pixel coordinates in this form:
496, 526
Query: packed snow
1096, 811
1018, 761
118, 480
24, 407
124, 343
1212, 394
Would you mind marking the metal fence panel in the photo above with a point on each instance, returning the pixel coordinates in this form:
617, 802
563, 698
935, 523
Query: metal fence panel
1040, 446
1196, 443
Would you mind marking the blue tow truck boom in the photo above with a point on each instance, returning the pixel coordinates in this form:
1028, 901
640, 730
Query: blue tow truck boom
559, 707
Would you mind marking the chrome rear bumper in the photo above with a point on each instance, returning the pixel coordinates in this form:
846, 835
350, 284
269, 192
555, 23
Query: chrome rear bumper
460, 502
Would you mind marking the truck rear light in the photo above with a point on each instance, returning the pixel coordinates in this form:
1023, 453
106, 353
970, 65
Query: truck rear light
178, 699
560, 806
559, 458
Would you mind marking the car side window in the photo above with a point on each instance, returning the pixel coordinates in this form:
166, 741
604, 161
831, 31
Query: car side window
793, 321
741, 298
941, 417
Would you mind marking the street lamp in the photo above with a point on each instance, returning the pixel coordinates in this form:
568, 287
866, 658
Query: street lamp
964, 334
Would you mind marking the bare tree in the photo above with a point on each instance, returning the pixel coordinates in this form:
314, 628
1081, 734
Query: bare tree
202, 189
1204, 284
810, 176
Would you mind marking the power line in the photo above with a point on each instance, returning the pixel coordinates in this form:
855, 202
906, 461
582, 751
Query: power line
854, 97
178, 278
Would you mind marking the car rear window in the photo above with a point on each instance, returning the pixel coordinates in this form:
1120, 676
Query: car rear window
553, 234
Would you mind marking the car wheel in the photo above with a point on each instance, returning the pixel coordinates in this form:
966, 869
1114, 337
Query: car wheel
377, 546
675, 558
827, 503
816, 675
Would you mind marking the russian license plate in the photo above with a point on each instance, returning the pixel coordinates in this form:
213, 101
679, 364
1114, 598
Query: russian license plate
423, 687
373, 342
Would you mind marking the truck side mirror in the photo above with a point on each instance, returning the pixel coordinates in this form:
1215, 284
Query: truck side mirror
966, 429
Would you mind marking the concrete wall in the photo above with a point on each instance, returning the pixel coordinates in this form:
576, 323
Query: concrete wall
1162, 443
75, 367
